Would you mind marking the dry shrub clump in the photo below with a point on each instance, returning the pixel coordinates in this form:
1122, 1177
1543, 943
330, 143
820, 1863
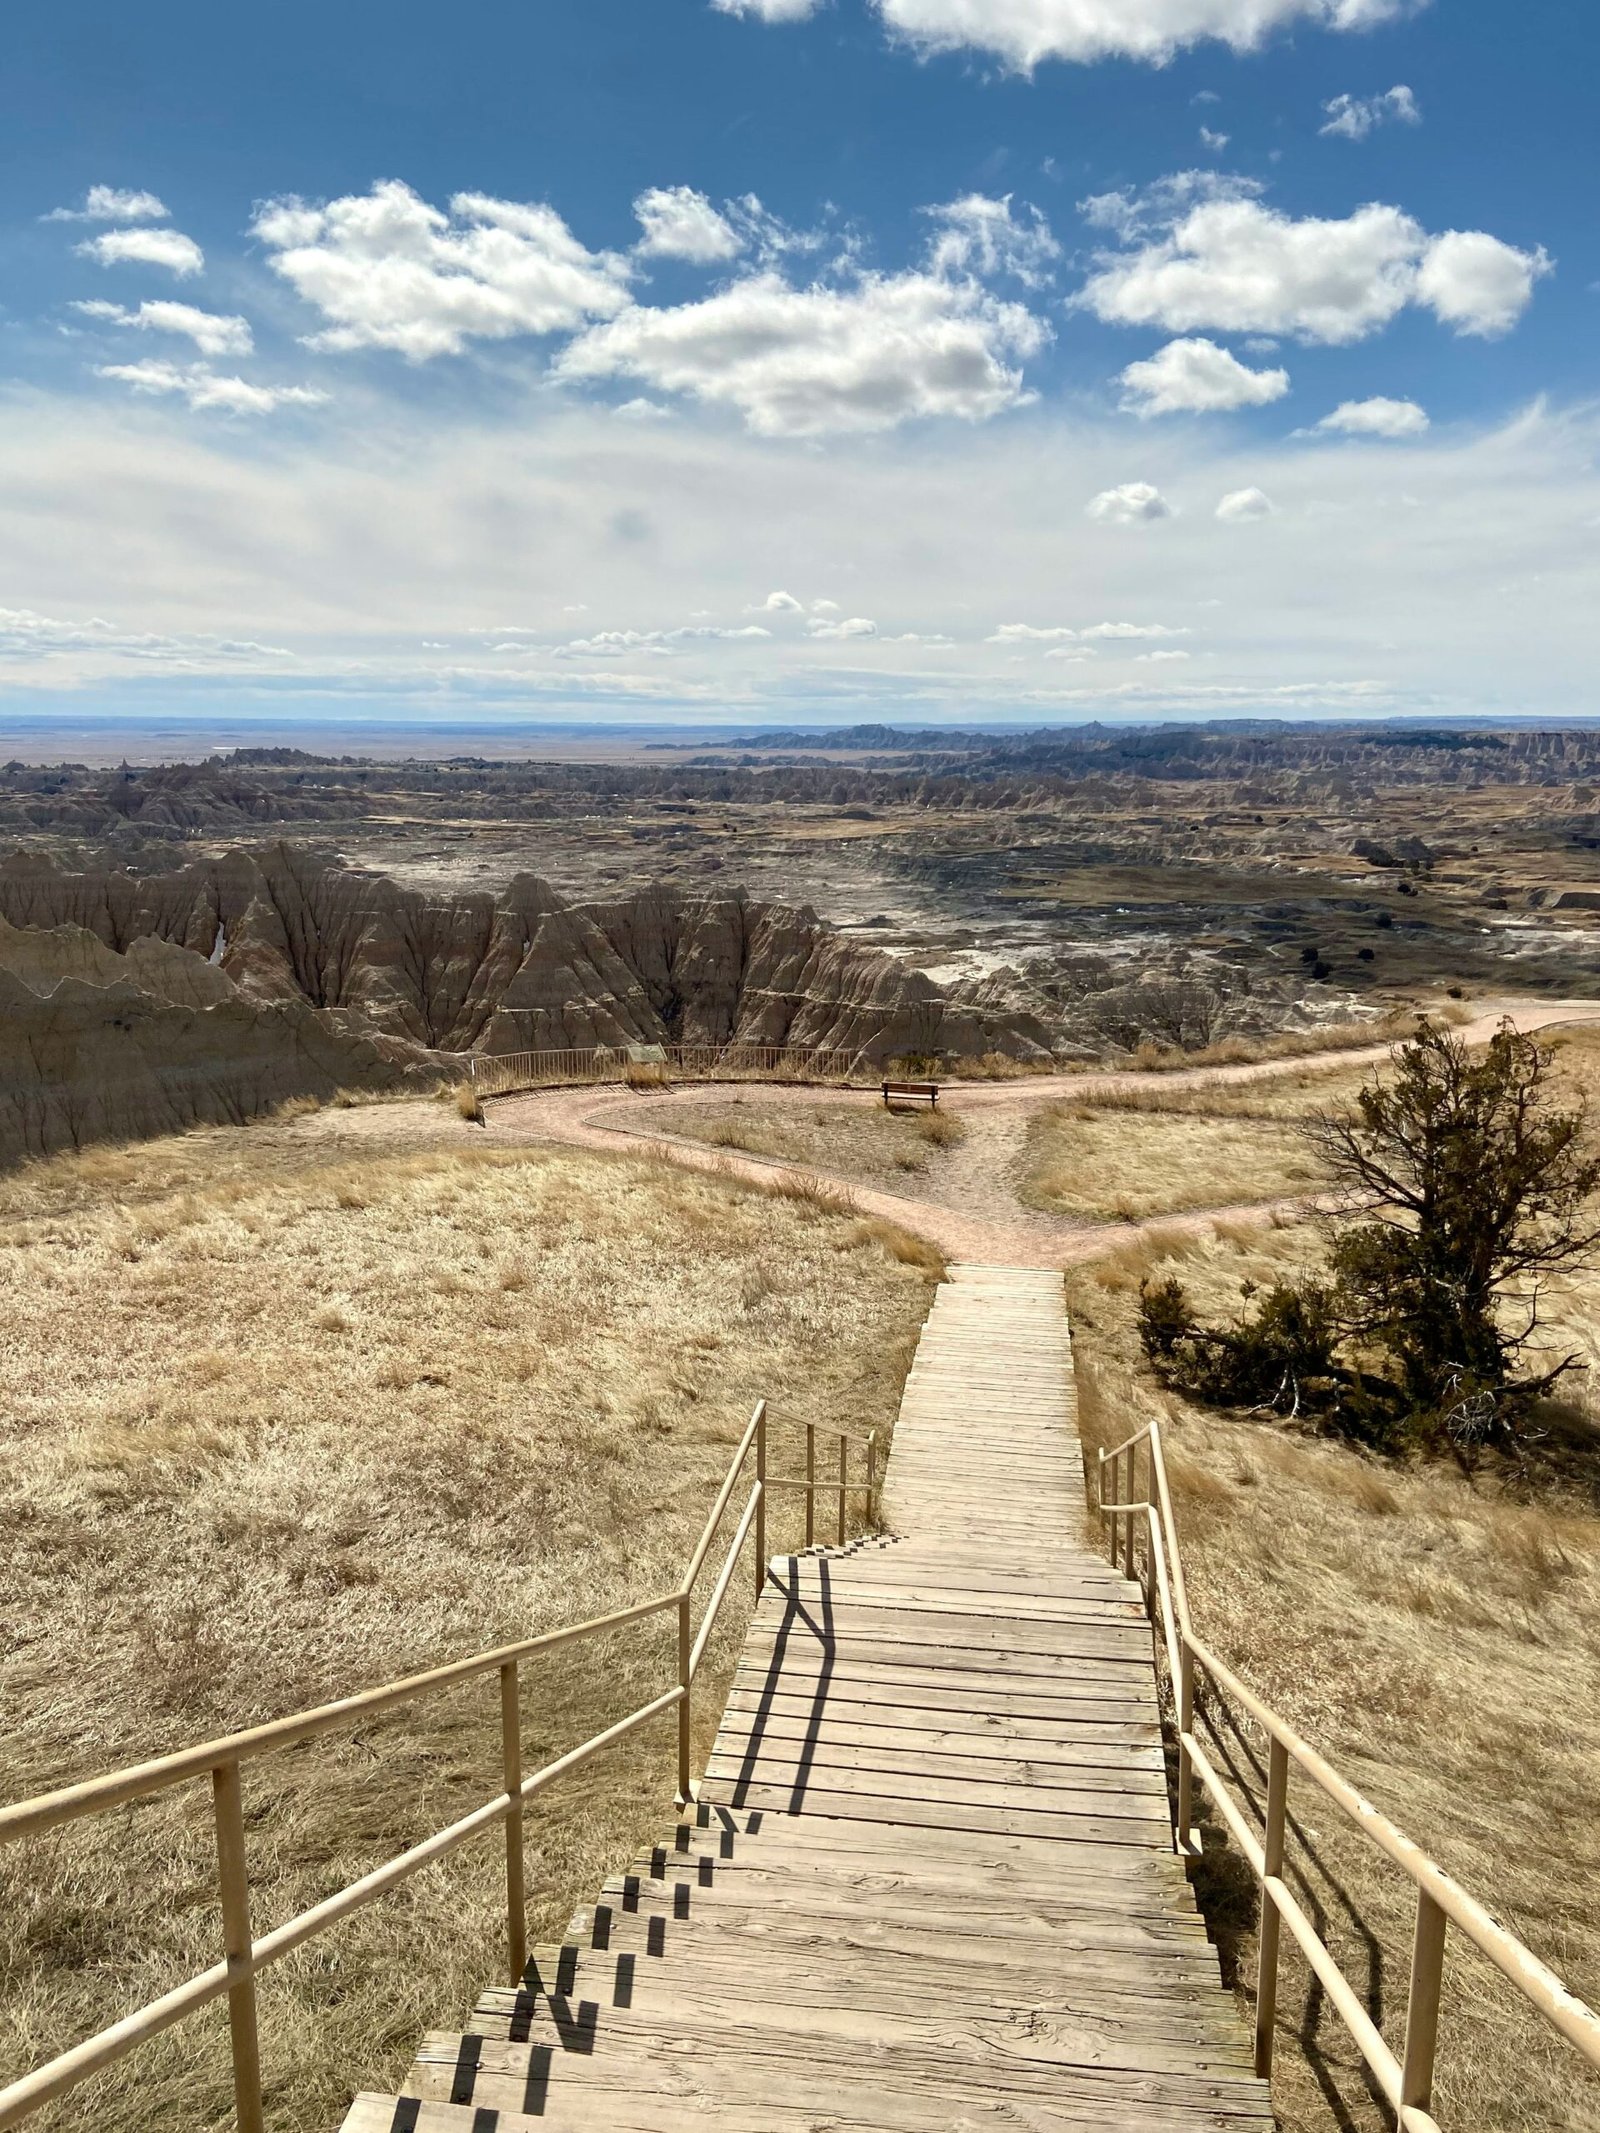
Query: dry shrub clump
1437, 1636
647, 1074
305, 1429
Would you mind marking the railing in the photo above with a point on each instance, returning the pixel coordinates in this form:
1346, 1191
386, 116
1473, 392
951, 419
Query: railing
498, 1073
244, 1954
1142, 1538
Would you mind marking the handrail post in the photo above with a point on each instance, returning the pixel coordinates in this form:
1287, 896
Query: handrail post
1267, 1932
1125, 1495
233, 1876
1422, 2009
1185, 1691
516, 1869
872, 1479
1100, 1493
844, 1479
761, 1503
685, 1727
811, 1484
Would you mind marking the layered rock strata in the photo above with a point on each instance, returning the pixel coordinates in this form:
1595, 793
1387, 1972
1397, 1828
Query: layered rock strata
282, 929
100, 1046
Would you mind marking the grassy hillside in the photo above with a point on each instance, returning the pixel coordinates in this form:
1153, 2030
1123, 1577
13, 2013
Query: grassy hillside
1437, 1635
278, 1426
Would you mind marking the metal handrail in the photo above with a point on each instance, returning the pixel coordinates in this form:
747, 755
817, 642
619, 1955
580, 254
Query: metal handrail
244, 1953
1406, 2082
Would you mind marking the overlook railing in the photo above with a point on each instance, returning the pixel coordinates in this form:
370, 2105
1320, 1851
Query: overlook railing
1142, 1538
245, 1954
498, 1073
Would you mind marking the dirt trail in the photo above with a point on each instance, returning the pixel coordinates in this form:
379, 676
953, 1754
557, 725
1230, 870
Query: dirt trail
976, 1214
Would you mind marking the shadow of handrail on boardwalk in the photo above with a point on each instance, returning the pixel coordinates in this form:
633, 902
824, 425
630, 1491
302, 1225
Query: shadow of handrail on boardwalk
801, 1618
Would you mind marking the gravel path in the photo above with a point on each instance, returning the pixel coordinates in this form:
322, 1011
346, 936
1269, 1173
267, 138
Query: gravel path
971, 1212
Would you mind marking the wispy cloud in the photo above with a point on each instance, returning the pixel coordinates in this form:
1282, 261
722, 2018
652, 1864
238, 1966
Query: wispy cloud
110, 203
213, 333
170, 249
203, 388
1352, 118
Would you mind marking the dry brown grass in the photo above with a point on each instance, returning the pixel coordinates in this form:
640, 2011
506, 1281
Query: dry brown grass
1286, 1096
861, 1139
1126, 1164
277, 1429
469, 1104
1438, 1637
991, 1066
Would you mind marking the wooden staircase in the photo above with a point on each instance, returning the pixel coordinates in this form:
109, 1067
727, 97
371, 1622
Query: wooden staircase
929, 1882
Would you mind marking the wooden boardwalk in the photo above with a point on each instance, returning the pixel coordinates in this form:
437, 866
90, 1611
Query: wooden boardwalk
930, 1881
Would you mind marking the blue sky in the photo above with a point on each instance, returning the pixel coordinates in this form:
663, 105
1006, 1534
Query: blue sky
931, 358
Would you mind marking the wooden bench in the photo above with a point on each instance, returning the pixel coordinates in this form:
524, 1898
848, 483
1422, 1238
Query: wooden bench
911, 1092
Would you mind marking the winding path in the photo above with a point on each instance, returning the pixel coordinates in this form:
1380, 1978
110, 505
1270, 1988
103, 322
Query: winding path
978, 1217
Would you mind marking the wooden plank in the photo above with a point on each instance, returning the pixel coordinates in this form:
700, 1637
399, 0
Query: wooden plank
823, 1914
1039, 1741
925, 2063
934, 1777
1111, 1827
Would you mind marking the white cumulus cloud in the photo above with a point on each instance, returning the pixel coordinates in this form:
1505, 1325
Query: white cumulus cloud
778, 603
204, 388
850, 626
1131, 503
1352, 118
679, 223
1195, 376
1230, 262
214, 333
1026, 633
180, 255
806, 361
1377, 417
1477, 284
1155, 659
1024, 32
111, 203
387, 270
1240, 506
1110, 631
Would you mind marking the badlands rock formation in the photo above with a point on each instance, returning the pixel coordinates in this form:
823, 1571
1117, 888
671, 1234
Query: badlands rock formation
135, 1003
96, 1045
